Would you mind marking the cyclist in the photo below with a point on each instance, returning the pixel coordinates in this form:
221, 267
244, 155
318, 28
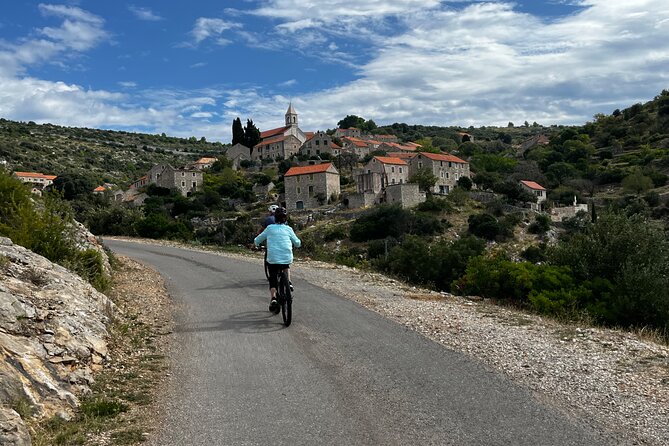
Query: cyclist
280, 241
270, 218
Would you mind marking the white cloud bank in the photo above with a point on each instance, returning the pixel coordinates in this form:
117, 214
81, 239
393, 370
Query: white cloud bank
425, 62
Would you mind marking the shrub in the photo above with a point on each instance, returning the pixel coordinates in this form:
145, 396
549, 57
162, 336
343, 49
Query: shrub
486, 226
434, 264
392, 221
632, 254
541, 224
435, 204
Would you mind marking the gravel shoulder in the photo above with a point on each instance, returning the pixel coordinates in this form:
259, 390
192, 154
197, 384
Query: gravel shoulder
605, 377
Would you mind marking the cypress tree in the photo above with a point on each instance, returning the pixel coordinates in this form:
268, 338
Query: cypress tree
251, 134
237, 132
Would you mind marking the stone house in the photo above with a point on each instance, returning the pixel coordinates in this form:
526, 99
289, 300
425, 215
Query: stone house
311, 186
320, 142
281, 142
537, 190
406, 194
37, 180
349, 132
203, 163
358, 146
186, 181
238, 153
388, 170
447, 168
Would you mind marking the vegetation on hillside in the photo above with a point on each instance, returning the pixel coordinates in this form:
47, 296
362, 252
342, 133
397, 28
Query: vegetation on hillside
45, 226
479, 239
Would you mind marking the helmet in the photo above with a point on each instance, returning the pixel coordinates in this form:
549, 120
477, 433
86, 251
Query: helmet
280, 215
273, 208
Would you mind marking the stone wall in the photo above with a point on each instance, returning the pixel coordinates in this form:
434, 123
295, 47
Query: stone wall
407, 195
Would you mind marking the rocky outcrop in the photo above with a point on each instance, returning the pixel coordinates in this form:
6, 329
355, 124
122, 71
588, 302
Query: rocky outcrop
53, 332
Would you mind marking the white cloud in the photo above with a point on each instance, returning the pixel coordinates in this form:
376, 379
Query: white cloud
80, 31
211, 27
127, 84
288, 83
199, 65
199, 115
145, 14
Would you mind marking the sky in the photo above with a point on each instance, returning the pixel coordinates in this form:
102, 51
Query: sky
190, 68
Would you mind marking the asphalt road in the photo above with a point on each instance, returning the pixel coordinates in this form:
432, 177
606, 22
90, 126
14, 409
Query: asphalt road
339, 375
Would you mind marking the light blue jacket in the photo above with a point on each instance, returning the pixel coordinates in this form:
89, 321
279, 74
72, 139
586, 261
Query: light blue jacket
280, 240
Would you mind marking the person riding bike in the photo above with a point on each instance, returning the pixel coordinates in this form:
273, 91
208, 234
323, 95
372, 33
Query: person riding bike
280, 241
269, 220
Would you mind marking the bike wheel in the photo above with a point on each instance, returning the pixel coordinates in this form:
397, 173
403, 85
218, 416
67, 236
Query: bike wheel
287, 301
266, 265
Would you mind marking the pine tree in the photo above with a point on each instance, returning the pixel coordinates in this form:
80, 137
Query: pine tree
237, 132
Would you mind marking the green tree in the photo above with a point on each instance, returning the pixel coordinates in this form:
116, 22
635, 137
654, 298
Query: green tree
637, 182
351, 121
251, 134
237, 132
425, 179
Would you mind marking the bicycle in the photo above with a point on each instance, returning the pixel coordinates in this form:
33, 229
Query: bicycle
284, 297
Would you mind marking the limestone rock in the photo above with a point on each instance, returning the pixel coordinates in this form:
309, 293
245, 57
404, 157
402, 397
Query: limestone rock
13, 431
53, 333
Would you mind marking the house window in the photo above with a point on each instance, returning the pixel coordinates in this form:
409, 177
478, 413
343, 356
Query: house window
311, 176
193, 173
299, 205
456, 176
298, 179
183, 184
442, 174
311, 191
299, 191
401, 170
420, 164
194, 184
183, 174
393, 181
392, 169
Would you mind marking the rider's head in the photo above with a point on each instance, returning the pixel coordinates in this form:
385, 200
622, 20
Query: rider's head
273, 208
280, 215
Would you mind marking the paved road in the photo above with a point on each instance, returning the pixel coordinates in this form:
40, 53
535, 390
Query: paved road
339, 375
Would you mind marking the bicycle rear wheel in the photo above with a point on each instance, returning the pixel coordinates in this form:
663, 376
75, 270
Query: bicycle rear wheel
287, 301
266, 265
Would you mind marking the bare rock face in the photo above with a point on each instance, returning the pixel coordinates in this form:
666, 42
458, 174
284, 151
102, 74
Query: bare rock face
12, 430
52, 335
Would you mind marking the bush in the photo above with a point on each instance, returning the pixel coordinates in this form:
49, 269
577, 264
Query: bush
392, 221
541, 224
630, 253
432, 264
486, 226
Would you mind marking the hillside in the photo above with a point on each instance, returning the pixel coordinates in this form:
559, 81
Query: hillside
100, 155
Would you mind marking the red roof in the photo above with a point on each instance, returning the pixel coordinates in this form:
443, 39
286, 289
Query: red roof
404, 155
35, 175
443, 157
303, 170
271, 141
390, 160
532, 185
356, 141
100, 189
334, 146
273, 132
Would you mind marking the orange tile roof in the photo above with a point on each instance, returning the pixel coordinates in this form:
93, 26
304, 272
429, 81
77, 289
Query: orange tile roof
205, 160
390, 160
35, 175
356, 141
271, 141
302, 170
404, 155
443, 157
273, 132
100, 189
334, 146
532, 185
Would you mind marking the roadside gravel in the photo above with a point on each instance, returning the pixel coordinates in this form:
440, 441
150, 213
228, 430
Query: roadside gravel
605, 377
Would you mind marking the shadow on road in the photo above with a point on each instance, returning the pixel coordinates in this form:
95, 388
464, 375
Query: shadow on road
246, 322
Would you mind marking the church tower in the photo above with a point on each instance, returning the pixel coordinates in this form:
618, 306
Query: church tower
291, 116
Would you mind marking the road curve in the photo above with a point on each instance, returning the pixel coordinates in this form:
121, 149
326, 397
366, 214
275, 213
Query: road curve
339, 375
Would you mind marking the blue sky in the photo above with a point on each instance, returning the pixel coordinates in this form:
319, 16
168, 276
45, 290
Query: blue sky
189, 68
